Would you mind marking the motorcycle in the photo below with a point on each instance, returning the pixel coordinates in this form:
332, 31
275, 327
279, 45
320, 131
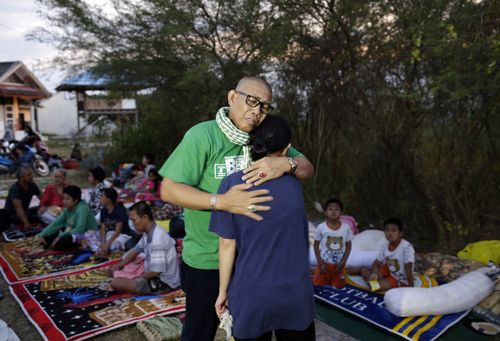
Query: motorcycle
9, 163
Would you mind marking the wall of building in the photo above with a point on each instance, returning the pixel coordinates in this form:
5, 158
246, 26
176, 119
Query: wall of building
57, 115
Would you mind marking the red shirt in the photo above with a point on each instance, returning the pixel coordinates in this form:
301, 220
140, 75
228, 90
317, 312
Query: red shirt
50, 197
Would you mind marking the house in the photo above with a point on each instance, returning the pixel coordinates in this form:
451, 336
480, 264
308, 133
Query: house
19, 91
88, 104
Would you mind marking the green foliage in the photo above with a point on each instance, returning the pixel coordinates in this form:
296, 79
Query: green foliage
394, 102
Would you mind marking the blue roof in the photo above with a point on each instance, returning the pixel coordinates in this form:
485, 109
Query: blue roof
90, 80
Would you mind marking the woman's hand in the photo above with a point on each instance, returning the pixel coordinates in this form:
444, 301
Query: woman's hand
221, 304
265, 169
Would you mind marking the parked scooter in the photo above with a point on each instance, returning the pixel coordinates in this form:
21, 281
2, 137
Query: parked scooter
23, 154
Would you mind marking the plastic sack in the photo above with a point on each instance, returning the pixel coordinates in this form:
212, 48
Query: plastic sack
460, 295
483, 252
368, 240
7, 334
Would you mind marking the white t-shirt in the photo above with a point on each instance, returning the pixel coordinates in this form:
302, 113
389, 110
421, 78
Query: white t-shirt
332, 243
160, 255
396, 259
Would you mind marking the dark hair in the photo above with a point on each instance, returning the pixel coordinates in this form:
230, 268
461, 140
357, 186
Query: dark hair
394, 221
21, 171
142, 209
111, 194
150, 157
158, 178
333, 201
272, 135
98, 173
74, 192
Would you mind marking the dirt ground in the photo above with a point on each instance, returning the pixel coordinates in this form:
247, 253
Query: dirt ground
11, 313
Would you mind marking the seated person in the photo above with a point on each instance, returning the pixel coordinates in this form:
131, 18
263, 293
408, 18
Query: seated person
76, 152
149, 188
138, 176
332, 245
68, 229
148, 161
115, 232
161, 268
51, 203
19, 198
96, 180
394, 264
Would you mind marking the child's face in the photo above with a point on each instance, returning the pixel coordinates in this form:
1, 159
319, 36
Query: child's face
91, 179
392, 233
333, 211
104, 200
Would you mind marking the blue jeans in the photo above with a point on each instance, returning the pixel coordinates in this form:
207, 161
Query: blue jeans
201, 288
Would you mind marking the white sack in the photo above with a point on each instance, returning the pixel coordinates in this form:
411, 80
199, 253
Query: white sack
462, 294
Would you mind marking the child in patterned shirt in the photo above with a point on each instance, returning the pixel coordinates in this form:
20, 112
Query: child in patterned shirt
394, 264
332, 246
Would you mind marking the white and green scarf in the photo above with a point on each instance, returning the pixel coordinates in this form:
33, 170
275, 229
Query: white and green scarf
234, 134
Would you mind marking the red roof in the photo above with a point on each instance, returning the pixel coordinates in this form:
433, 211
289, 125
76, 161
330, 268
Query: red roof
9, 89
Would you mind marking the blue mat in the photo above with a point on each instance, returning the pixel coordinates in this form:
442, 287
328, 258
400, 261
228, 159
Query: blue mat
370, 307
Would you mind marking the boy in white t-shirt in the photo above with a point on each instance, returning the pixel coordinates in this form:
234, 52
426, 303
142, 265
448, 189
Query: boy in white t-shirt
332, 246
393, 267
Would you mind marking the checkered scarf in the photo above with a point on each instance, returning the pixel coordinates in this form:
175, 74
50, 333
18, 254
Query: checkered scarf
234, 134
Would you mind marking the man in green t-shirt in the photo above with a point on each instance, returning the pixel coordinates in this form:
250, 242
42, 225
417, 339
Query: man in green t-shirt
208, 152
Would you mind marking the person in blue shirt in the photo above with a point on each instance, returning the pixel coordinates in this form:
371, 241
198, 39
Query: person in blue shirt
115, 232
270, 289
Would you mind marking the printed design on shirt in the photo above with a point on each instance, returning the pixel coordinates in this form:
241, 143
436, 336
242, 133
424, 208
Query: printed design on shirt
334, 249
393, 264
110, 224
232, 164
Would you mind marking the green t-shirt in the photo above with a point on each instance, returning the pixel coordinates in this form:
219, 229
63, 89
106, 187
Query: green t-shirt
203, 158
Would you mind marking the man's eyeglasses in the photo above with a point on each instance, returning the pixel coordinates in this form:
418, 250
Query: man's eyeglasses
254, 101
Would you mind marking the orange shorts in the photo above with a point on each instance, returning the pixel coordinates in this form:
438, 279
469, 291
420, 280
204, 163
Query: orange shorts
386, 274
329, 278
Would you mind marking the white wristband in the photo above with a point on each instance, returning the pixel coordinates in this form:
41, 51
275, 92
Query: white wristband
213, 201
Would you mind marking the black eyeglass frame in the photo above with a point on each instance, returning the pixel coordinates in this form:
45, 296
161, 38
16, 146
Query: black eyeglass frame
264, 107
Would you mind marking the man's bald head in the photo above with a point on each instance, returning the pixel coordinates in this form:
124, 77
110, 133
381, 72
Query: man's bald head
246, 82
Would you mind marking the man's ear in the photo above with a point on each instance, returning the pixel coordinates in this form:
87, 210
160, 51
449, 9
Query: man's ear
285, 151
231, 97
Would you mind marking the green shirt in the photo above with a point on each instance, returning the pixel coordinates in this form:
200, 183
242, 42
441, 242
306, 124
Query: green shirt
75, 221
202, 159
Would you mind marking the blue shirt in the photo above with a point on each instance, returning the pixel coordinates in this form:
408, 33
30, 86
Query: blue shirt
118, 215
271, 287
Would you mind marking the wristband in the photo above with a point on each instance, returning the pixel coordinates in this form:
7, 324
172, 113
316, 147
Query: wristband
293, 165
213, 201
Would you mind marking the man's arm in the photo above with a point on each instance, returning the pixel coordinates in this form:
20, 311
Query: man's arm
236, 200
227, 252
274, 167
128, 258
18, 206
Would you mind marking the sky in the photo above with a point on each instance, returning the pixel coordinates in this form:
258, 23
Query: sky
18, 18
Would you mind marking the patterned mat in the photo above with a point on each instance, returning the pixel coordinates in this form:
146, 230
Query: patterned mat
81, 305
18, 265
370, 307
